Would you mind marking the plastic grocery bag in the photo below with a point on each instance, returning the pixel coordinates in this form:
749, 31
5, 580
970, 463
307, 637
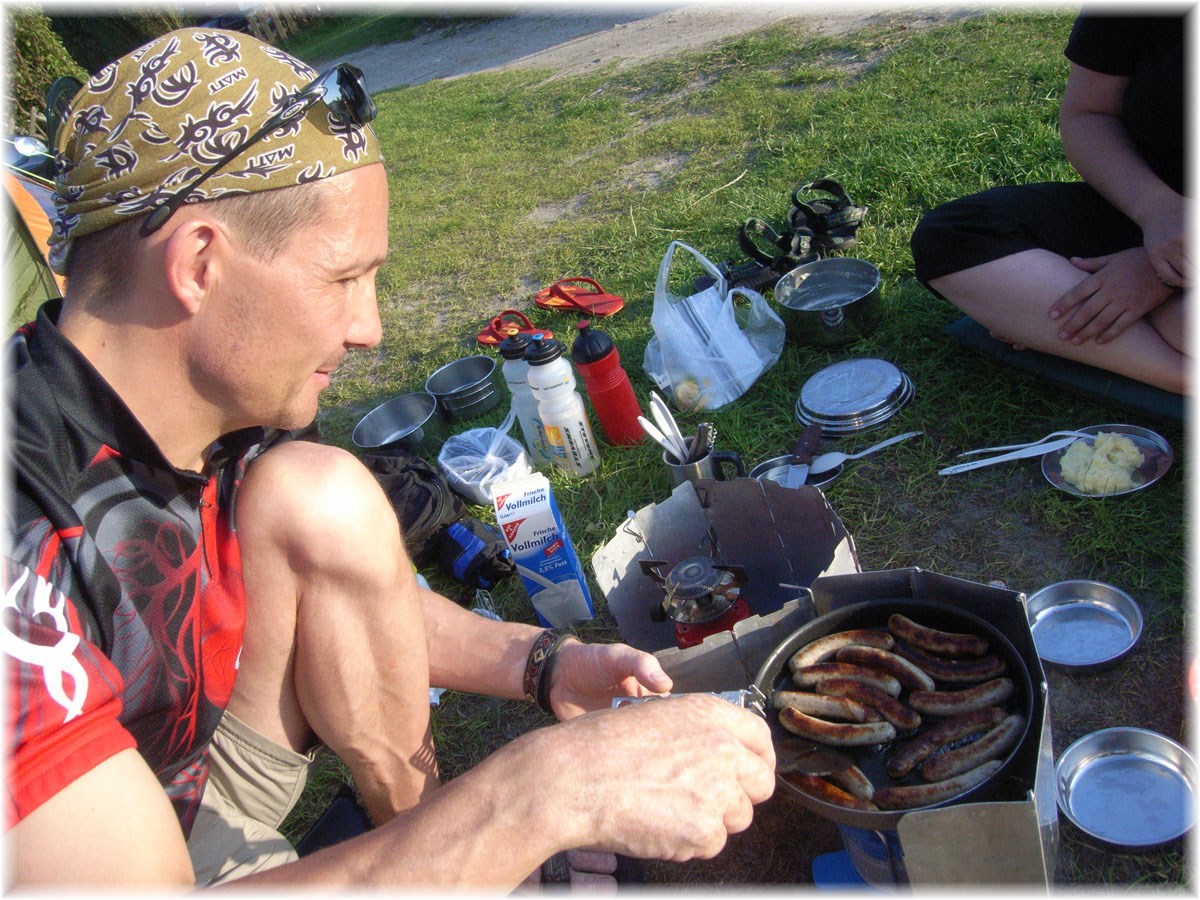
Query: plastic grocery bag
475, 460
708, 349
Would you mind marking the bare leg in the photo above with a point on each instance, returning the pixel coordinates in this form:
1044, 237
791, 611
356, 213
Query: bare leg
335, 645
1170, 322
1011, 297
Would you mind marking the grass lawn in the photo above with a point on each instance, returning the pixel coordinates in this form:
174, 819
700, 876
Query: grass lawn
502, 183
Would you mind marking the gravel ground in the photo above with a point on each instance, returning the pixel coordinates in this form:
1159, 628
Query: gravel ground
573, 40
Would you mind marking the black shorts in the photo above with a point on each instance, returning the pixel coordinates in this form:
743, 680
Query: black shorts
1069, 219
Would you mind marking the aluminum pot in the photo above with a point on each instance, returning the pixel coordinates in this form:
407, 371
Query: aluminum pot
829, 302
407, 422
774, 675
467, 387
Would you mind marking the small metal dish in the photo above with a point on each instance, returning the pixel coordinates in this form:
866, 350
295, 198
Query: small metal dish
467, 387
1156, 452
1128, 787
1084, 625
407, 422
776, 470
853, 396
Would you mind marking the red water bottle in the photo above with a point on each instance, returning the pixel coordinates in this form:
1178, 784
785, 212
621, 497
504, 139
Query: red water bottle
608, 387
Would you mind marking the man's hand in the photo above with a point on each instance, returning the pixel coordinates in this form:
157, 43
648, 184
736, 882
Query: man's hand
588, 676
666, 780
1122, 288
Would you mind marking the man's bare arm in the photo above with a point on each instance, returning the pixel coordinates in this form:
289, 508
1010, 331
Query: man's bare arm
111, 826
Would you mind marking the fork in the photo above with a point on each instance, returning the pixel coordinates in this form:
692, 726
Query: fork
1050, 436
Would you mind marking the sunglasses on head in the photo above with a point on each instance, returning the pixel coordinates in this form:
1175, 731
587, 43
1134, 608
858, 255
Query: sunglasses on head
342, 89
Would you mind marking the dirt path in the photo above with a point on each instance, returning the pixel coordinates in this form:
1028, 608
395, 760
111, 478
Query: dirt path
574, 41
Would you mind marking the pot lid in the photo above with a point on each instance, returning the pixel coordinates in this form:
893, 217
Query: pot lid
853, 395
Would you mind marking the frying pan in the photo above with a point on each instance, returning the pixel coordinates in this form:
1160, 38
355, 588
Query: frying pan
775, 675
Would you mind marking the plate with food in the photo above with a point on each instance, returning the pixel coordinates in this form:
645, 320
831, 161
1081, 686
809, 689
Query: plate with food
1113, 460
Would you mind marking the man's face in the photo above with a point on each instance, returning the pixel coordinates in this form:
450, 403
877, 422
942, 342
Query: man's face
277, 330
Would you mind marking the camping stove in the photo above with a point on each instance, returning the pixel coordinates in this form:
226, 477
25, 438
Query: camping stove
700, 596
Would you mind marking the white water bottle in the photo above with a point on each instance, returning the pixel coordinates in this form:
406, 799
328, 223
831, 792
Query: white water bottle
564, 419
525, 405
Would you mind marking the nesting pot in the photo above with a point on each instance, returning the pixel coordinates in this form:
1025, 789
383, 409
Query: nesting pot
829, 302
408, 422
467, 387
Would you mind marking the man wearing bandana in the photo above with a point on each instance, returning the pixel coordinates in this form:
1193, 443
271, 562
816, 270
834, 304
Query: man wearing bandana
195, 604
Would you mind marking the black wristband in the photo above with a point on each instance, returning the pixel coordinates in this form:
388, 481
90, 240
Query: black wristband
538, 668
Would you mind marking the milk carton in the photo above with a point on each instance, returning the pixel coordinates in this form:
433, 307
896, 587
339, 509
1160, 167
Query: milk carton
542, 549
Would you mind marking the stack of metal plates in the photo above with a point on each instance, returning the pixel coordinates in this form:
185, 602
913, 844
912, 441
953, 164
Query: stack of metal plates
852, 396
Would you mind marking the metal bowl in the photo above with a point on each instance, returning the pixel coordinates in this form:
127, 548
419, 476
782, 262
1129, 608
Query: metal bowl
1128, 787
776, 470
1157, 458
409, 422
467, 387
1083, 625
829, 302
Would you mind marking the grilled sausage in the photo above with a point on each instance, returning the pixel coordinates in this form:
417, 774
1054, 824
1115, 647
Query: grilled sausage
853, 781
953, 671
823, 649
816, 675
940, 643
918, 795
888, 706
953, 703
911, 754
823, 790
841, 708
885, 661
836, 734
991, 746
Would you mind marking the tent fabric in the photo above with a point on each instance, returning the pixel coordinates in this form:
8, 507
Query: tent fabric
30, 281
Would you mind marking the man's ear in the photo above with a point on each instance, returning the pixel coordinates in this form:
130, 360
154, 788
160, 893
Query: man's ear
194, 255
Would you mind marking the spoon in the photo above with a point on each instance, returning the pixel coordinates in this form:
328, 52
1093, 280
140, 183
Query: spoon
827, 461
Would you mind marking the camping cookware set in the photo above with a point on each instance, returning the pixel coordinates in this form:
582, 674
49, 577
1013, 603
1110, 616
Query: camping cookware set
830, 302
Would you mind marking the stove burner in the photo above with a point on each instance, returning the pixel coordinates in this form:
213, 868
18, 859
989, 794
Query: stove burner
702, 597
694, 577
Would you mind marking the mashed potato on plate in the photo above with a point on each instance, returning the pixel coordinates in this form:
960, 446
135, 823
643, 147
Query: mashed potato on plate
1105, 467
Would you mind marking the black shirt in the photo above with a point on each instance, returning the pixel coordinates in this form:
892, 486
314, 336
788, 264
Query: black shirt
1150, 51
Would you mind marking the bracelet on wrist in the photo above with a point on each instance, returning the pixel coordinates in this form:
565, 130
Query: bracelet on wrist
540, 666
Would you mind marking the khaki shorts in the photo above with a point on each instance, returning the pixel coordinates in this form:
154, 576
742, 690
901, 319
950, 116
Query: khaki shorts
253, 783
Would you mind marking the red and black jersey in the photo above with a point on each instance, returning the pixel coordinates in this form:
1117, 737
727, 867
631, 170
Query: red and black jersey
124, 604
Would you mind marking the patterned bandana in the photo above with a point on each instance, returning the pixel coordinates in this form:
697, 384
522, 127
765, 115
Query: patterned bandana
147, 125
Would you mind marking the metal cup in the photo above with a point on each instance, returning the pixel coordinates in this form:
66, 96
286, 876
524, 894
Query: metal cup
711, 465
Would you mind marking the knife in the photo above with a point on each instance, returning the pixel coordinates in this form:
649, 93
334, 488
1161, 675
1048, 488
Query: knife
702, 444
802, 455
1039, 450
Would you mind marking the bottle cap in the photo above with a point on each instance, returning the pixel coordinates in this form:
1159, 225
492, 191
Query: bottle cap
542, 350
513, 346
591, 346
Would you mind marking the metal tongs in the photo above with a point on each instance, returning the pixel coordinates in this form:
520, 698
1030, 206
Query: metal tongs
1056, 440
750, 698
